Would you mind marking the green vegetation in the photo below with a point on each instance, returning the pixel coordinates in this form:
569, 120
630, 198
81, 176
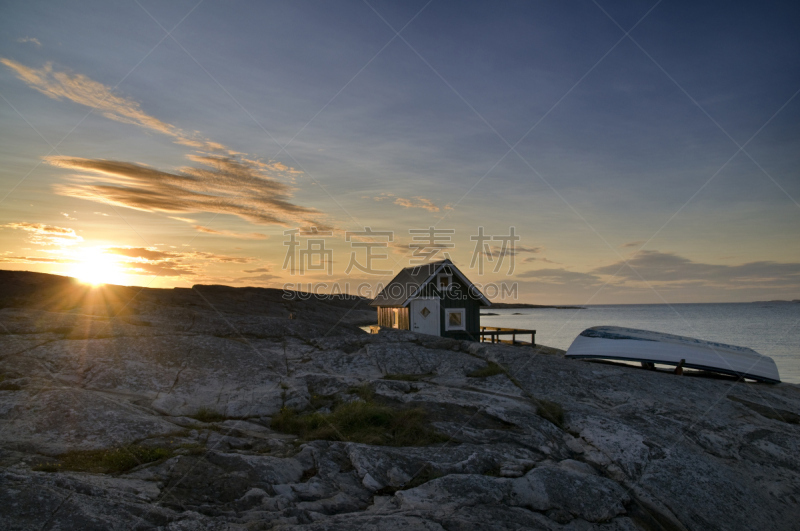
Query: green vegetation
108, 461
205, 414
491, 369
192, 449
551, 411
365, 392
409, 377
361, 421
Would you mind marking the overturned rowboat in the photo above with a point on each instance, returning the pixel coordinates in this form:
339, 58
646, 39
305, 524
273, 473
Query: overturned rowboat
647, 347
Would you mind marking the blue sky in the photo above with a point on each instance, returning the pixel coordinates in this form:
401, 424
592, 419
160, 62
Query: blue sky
615, 156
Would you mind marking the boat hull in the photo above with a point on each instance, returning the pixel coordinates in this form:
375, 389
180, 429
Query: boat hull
627, 344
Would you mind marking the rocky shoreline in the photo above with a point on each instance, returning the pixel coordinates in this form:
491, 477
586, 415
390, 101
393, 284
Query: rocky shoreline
210, 408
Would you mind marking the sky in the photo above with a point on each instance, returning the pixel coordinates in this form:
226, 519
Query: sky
570, 152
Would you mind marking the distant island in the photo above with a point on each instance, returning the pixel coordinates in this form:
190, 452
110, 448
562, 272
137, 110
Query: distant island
795, 301
515, 305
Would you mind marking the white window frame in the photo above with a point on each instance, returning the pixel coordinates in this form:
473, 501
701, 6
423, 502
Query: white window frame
448, 327
449, 281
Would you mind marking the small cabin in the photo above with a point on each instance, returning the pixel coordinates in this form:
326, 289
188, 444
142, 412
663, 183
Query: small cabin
435, 299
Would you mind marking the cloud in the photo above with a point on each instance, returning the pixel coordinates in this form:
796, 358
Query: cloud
35, 260
32, 40
497, 251
141, 252
80, 89
85, 91
153, 262
381, 197
637, 243
151, 254
259, 279
531, 259
221, 185
41, 234
147, 260
220, 257
231, 234
267, 269
223, 181
417, 202
656, 266
562, 276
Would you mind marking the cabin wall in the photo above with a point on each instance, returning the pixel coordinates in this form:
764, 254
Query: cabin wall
385, 318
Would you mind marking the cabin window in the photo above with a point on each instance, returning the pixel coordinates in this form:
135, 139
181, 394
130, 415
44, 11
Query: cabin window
444, 281
455, 319
395, 317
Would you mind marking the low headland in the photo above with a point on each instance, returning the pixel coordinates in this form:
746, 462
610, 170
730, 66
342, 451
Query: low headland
244, 408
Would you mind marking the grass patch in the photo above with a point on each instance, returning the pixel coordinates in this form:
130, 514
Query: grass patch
409, 377
365, 392
551, 411
109, 461
205, 414
191, 449
491, 369
363, 422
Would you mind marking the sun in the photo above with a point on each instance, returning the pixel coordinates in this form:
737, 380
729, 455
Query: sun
96, 267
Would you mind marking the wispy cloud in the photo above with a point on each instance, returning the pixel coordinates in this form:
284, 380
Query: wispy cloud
267, 269
31, 40
151, 261
41, 234
223, 181
531, 259
417, 202
258, 280
213, 257
414, 202
35, 260
497, 251
221, 185
628, 245
85, 91
231, 234
80, 89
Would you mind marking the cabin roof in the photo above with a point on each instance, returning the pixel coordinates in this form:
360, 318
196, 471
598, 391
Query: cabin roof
407, 284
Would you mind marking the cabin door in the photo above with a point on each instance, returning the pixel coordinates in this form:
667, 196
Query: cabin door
425, 316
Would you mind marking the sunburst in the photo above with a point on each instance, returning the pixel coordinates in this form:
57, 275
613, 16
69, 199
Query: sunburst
97, 267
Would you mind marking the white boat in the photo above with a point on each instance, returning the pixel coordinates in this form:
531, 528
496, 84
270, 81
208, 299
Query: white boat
628, 344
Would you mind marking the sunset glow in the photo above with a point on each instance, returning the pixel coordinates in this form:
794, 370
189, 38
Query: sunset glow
96, 267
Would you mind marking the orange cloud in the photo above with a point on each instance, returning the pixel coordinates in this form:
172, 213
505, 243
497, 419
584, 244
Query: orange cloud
41, 234
420, 202
222, 185
231, 234
223, 181
35, 260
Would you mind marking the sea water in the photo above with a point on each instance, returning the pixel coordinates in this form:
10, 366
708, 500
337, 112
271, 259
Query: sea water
769, 328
